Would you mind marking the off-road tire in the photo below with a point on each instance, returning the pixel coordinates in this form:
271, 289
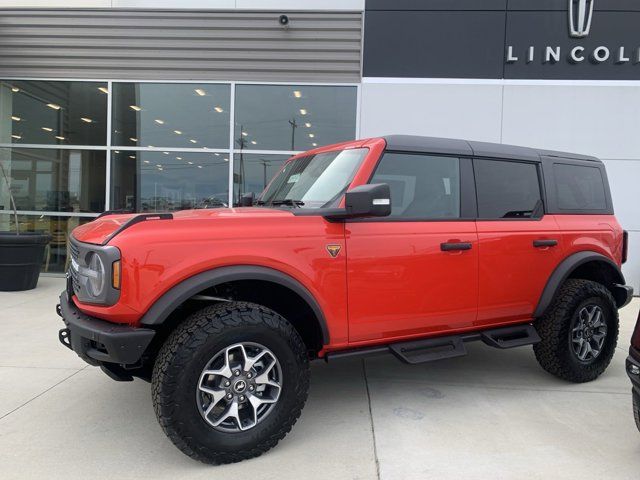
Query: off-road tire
554, 351
186, 352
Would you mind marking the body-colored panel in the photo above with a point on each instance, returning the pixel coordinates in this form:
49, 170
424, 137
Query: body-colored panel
402, 284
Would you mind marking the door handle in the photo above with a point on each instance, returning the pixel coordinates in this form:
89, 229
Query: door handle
545, 243
452, 246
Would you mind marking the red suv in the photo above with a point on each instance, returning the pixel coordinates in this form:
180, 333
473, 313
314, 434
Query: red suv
408, 245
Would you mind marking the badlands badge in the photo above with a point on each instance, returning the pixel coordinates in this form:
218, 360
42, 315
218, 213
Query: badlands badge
334, 250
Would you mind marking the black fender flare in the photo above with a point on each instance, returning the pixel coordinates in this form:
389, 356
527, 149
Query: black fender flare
565, 268
191, 286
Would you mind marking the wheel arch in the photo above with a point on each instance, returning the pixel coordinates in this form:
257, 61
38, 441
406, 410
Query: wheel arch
171, 300
587, 265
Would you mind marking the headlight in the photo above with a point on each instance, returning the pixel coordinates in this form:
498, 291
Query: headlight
96, 275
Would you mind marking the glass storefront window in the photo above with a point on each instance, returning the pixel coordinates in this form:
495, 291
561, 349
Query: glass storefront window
252, 172
173, 115
53, 112
167, 181
278, 117
54, 180
56, 258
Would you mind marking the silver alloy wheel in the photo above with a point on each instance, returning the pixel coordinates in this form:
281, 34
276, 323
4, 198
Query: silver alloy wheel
588, 333
239, 387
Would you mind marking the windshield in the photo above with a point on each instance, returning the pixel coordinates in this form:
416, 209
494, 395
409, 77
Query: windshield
315, 181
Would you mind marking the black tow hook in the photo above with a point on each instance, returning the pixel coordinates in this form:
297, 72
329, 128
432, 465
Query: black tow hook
59, 310
65, 338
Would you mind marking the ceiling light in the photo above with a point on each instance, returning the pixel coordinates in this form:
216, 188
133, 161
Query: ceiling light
54, 106
200, 92
226, 159
103, 89
160, 169
311, 135
193, 141
135, 107
117, 151
133, 139
15, 89
178, 158
59, 137
15, 119
158, 165
253, 142
297, 94
159, 122
199, 166
244, 134
86, 120
177, 132
146, 161
217, 154
17, 137
132, 156
190, 163
308, 125
218, 109
314, 144
166, 153
47, 129
303, 111
150, 146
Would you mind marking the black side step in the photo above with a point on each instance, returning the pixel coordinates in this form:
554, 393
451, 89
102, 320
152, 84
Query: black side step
430, 349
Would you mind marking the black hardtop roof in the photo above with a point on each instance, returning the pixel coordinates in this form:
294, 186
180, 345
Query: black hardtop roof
453, 146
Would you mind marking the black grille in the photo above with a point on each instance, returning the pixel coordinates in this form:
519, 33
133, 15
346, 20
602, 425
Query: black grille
75, 252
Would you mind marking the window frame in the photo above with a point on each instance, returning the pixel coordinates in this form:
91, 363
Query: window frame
541, 189
468, 201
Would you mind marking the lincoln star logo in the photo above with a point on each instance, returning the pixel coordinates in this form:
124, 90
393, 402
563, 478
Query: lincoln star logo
580, 14
334, 250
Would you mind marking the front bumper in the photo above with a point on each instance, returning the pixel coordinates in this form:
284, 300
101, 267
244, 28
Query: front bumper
97, 341
633, 370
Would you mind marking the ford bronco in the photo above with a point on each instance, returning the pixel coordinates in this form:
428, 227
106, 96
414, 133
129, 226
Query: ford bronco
408, 245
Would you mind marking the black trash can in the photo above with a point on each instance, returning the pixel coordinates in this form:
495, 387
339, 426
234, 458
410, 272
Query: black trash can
21, 259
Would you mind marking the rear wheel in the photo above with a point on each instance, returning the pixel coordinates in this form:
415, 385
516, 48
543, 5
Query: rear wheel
578, 332
230, 382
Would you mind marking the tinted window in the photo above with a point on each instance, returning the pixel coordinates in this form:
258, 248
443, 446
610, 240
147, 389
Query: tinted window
422, 186
506, 189
579, 187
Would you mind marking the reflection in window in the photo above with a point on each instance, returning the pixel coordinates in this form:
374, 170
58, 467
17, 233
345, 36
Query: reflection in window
275, 117
52, 112
167, 181
56, 258
54, 180
178, 115
252, 173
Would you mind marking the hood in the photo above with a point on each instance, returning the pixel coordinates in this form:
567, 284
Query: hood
100, 230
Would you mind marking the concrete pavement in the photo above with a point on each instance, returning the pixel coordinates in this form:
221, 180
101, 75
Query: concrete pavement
491, 414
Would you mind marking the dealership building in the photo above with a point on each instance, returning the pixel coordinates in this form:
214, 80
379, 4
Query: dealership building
156, 105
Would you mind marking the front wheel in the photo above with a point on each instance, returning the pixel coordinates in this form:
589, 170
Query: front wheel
579, 332
230, 382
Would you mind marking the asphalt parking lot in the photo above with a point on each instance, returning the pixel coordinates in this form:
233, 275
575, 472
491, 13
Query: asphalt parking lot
491, 414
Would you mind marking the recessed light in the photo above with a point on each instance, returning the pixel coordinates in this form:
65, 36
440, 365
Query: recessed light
190, 163
150, 146
193, 141
199, 166
244, 134
135, 107
59, 137
303, 111
15, 119
158, 165
17, 137
117, 151
218, 109
177, 132
308, 125
166, 153
132, 156
103, 89
200, 92
159, 122
253, 142
226, 159
86, 120
314, 144
217, 154
54, 106
311, 135
178, 158
146, 161
47, 129
297, 93
133, 139
15, 89
160, 169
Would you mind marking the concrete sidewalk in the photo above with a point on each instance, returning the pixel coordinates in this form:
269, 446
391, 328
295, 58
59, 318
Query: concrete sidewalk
491, 414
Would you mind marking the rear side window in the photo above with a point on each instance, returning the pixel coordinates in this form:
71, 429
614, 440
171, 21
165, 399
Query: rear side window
579, 187
506, 189
422, 186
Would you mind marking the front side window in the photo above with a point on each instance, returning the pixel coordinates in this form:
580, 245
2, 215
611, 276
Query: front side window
507, 189
314, 181
422, 186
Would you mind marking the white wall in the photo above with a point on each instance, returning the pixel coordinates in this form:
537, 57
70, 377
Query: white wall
601, 119
357, 5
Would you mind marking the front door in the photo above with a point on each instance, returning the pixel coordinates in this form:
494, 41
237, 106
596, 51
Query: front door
416, 271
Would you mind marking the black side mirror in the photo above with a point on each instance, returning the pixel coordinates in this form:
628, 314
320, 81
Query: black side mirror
247, 199
365, 201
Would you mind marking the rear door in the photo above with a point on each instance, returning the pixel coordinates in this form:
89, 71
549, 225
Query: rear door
416, 271
519, 245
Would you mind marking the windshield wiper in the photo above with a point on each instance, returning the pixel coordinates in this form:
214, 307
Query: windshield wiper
288, 202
